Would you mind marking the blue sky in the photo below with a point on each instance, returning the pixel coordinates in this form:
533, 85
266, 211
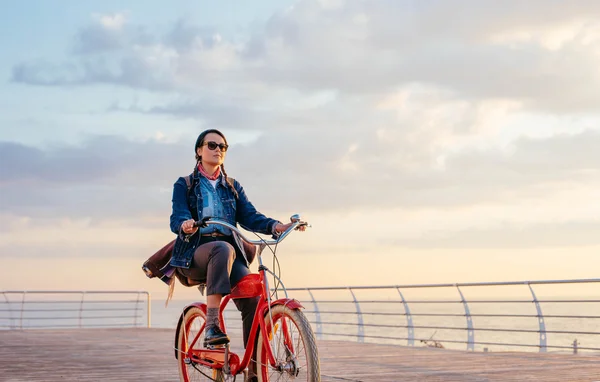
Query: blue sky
461, 134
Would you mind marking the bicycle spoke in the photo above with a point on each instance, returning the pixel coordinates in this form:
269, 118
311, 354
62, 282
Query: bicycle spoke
288, 349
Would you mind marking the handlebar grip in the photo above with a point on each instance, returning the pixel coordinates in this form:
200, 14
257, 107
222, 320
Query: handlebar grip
202, 223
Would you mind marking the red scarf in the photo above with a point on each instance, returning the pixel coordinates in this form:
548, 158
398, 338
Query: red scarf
210, 177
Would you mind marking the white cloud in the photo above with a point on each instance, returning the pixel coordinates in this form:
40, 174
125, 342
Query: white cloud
114, 21
331, 4
544, 60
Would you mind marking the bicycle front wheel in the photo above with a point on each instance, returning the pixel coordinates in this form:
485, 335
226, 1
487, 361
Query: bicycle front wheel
294, 347
190, 326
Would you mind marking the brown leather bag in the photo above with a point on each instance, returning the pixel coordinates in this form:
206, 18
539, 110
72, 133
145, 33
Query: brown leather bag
153, 267
250, 250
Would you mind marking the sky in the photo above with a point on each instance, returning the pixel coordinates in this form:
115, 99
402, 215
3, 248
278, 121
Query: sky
425, 141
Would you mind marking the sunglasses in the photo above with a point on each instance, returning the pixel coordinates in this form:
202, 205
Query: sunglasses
213, 145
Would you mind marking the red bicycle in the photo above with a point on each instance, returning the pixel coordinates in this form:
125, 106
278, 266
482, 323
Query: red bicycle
282, 337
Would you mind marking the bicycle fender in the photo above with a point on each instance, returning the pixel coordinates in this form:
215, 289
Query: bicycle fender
291, 303
199, 305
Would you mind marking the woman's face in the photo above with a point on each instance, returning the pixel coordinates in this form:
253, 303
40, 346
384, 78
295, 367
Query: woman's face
212, 157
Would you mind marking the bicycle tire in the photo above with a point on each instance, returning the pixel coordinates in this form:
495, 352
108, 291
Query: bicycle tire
303, 363
189, 326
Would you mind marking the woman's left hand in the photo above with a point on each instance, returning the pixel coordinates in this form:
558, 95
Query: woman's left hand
279, 228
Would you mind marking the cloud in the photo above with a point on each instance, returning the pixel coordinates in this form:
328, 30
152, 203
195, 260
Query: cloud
98, 160
45, 74
110, 33
544, 235
363, 48
131, 71
115, 21
210, 111
106, 177
106, 52
545, 59
98, 39
185, 37
571, 157
111, 177
394, 175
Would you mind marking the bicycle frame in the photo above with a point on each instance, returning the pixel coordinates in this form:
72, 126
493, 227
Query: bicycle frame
252, 285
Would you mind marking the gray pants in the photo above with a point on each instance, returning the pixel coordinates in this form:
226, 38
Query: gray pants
217, 264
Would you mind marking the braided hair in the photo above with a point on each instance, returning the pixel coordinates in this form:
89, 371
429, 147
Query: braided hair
199, 143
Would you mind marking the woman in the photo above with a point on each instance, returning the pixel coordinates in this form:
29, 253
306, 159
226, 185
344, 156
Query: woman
213, 255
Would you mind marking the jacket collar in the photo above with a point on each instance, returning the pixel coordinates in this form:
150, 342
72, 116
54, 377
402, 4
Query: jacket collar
196, 175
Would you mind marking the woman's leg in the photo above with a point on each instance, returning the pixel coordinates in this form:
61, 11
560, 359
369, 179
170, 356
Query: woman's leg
212, 263
247, 306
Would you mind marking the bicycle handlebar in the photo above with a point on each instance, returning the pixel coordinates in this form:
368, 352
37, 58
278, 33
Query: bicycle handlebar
294, 218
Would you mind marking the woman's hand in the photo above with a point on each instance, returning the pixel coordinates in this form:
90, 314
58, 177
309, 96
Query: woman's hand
188, 226
279, 228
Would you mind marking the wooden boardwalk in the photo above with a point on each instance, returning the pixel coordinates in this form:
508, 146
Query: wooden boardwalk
147, 355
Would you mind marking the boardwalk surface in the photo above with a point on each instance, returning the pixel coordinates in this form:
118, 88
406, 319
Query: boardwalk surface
147, 355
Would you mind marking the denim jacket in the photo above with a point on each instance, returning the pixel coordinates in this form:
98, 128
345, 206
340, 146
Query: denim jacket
237, 210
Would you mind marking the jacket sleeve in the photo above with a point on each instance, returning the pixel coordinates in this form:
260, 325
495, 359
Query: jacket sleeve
248, 217
181, 211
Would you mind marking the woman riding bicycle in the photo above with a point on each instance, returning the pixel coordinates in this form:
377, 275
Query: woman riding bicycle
214, 255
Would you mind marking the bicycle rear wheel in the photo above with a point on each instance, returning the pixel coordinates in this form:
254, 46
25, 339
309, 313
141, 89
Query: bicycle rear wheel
192, 324
294, 348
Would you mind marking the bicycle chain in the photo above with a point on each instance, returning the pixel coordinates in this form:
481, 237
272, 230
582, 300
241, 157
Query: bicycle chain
201, 372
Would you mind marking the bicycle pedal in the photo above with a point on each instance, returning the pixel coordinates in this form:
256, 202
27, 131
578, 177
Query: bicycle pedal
216, 347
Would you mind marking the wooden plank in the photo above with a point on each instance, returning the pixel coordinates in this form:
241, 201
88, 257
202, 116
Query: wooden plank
141, 354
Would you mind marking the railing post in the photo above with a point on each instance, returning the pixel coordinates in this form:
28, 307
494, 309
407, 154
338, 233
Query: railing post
318, 315
10, 313
409, 321
361, 330
81, 309
542, 324
137, 308
22, 310
470, 331
148, 307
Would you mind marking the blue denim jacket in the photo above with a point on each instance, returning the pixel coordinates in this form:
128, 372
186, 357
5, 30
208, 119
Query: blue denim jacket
238, 210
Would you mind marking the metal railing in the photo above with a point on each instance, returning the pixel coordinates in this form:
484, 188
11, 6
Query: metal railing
74, 309
502, 323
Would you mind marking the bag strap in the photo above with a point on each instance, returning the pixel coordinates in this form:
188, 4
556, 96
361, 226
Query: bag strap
230, 180
188, 181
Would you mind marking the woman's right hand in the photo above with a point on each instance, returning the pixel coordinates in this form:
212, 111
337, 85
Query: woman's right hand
188, 227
